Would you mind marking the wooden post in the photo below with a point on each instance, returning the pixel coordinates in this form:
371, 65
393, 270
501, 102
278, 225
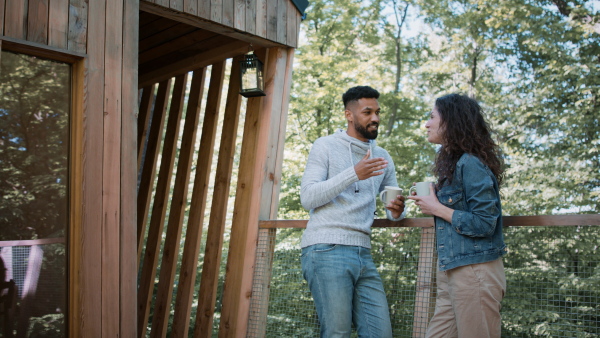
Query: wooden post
270, 194
237, 290
425, 288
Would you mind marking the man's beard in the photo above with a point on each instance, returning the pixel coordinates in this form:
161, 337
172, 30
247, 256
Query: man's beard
369, 135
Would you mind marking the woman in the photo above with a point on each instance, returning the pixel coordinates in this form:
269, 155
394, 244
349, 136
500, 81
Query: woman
465, 203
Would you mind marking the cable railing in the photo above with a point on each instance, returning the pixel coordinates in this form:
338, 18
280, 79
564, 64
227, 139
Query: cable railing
552, 270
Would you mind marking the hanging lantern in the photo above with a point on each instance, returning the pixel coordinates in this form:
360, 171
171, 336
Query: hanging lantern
251, 75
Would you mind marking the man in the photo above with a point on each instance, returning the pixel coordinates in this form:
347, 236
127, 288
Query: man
344, 174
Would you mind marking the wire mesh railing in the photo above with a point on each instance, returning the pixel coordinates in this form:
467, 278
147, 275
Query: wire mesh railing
553, 282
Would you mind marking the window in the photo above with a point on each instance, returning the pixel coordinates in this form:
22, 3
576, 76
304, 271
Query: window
35, 97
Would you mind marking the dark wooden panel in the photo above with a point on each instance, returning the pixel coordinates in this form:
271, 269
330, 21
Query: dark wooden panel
178, 47
156, 26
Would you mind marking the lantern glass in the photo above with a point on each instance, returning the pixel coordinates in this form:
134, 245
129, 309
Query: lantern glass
251, 73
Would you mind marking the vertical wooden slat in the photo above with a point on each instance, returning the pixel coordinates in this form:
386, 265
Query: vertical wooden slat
90, 317
218, 211
216, 10
239, 14
111, 187
143, 121
159, 208
261, 18
251, 16
58, 24
149, 165
129, 165
272, 19
228, 12
204, 8
270, 190
291, 25
37, 21
76, 199
178, 205
15, 23
2, 3
425, 288
191, 6
163, 3
176, 5
282, 20
244, 230
78, 25
189, 262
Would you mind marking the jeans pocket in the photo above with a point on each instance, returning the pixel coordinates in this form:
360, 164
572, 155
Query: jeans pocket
324, 247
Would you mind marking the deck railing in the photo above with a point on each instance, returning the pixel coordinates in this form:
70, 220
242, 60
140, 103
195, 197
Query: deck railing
552, 269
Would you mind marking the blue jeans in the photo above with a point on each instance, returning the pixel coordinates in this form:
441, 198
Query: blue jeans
347, 289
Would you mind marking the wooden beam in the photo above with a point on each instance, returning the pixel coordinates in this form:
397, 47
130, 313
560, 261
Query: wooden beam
204, 59
129, 165
176, 43
90, 321
179, 201
270, 193
151, 156
41, 50
15, 19
193, 236
175, 30
159, 208
145, 111
218, 211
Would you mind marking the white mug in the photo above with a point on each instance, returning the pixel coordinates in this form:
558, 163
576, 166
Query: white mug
389, 194
421, 188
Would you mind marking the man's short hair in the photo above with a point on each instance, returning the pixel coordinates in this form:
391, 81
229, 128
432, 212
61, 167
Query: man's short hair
359, 92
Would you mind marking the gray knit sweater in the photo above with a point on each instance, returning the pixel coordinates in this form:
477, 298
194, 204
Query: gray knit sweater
342, 207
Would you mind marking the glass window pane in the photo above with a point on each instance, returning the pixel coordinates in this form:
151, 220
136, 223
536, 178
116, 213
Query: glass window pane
35, 96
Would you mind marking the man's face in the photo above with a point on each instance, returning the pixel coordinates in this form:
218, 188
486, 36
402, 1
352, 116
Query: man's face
363, 119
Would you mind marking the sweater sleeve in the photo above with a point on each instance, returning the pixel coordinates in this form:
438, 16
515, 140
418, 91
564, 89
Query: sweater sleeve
317, 188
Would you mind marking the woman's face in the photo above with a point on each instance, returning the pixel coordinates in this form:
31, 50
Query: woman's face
434, 132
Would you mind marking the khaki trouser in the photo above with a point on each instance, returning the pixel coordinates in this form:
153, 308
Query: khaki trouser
468, 301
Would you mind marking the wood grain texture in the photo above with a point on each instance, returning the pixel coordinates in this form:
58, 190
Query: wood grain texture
77, 35
15, 19
129, 165
193, 236
218, 214
179, 201
148, 166
58, 27
159, 207
37, 21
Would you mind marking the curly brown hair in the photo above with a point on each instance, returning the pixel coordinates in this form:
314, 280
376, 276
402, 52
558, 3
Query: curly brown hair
465, 130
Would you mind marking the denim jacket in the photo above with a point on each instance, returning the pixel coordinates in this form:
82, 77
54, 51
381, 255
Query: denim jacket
475, 234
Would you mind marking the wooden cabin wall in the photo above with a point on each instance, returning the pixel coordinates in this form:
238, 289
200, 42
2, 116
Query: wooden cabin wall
256, 196
247, 20
99, 38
